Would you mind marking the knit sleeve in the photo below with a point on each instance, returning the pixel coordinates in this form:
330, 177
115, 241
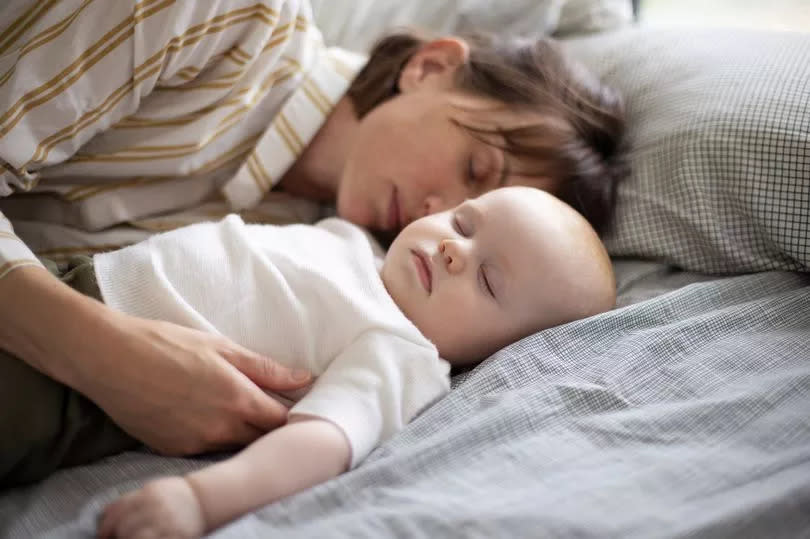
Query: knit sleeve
374, 387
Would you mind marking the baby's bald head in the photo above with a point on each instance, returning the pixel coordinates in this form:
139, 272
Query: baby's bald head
577, 261
494, 269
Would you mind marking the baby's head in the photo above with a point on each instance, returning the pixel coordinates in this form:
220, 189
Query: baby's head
495, 269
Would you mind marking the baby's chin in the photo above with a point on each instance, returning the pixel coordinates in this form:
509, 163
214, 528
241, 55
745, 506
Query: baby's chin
461, 354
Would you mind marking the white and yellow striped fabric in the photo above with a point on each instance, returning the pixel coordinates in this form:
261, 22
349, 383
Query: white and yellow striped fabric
121, 118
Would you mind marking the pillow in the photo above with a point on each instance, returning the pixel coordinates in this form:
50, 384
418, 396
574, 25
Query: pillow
719, 136
589, 16
357, 24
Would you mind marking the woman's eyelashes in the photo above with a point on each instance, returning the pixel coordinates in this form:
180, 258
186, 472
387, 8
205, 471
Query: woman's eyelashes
472, 178
482, 172
479, 172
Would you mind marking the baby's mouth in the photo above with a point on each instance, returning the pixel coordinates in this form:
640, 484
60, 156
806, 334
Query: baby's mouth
423, 268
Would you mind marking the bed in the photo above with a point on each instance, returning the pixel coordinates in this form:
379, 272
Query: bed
683, 412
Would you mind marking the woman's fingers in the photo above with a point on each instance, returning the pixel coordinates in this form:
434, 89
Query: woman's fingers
241, 436
182, 391
265, 372
263, 411
260, 412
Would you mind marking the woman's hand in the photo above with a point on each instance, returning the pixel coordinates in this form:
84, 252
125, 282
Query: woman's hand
180, 391
183, 391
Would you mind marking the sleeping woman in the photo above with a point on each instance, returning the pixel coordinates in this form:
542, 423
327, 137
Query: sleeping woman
111, 113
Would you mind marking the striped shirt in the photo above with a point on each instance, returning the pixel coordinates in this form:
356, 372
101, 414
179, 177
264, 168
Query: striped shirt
119, 119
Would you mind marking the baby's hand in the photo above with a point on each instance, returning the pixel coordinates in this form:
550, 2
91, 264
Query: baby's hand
165, 507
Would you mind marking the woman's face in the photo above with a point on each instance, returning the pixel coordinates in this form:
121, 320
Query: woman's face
410, 158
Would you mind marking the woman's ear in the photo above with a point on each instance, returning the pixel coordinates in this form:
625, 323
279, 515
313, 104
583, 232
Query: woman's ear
434, 65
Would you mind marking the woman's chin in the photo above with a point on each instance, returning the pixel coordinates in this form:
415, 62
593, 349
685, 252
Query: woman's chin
355, 212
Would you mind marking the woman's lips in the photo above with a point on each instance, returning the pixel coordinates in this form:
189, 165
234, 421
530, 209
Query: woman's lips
423, 269
394, 215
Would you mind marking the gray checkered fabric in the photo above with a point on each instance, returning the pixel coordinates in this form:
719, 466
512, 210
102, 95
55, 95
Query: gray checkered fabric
719, 127
685, 412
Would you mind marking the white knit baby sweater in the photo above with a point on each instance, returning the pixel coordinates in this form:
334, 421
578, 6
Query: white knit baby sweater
303, 295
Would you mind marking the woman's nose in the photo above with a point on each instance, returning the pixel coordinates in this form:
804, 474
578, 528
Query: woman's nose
453, 256
433, 204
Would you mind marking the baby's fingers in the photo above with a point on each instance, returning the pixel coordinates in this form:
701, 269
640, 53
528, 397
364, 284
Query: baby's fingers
124, 517
109, 519
136, 525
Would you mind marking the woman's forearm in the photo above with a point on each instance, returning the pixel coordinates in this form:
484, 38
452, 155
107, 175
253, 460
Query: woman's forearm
287, 460
46, 323
178, 390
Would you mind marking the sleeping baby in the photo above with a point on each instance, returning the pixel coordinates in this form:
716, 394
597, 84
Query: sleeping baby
379, 330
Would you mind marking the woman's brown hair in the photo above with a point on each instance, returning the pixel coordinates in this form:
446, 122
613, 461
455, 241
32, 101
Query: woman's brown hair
576, 141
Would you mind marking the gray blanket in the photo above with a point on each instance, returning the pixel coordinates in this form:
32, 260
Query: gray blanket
684, 412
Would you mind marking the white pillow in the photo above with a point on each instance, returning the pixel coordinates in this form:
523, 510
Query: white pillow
357, 24
590, 16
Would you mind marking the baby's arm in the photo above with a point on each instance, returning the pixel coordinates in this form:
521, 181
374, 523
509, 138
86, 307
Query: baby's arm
303, 453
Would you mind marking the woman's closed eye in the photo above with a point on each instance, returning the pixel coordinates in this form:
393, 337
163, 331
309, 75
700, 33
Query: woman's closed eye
481, 173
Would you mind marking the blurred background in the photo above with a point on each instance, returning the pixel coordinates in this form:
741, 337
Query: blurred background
771, 14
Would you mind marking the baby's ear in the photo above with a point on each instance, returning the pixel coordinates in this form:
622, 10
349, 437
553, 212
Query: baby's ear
433, 67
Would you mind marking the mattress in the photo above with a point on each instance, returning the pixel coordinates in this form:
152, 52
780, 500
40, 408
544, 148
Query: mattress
683, 412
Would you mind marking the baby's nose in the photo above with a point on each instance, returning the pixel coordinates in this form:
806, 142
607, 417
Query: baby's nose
453, 256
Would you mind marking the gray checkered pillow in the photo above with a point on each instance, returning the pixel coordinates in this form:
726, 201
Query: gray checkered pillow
719, 130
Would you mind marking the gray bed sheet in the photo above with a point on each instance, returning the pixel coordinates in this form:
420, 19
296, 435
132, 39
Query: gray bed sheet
685, 412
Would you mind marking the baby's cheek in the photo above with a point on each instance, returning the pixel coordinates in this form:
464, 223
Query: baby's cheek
459, 339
